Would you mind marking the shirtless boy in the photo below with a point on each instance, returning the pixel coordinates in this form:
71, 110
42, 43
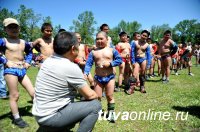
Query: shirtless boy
141, 60
124, 48
105, 59
44, 44
167, 48
82, 57
16, 66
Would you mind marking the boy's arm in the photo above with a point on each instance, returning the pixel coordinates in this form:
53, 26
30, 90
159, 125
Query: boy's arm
173, 48
148, 54
2, 48
89, 63
36, 44
117, 60
29, 53
133, 53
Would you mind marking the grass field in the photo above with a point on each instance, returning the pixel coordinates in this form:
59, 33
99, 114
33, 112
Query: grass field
168, 107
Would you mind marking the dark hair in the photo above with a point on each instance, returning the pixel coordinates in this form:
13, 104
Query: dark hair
145, 31
135, 33
167, 32
122, 33
103, 25
63, 42
45, 25
61, 30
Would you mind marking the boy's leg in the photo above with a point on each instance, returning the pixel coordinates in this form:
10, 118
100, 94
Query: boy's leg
142, 76
27, 84
136, 72
12, 83
98, 88
109, 88
159, 67
163, 70
121, 74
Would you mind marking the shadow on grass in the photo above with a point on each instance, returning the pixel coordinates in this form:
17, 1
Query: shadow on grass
192, 110
159, 80
24, 111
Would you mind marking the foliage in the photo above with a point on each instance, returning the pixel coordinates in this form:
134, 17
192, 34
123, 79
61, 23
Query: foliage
128, 27
188, 30
4, 13
85, 26
158, 31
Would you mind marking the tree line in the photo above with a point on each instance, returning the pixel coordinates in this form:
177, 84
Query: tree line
184, 31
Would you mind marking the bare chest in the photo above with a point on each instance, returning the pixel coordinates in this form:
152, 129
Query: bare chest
165, 45
15, 47
105, 54
141, 47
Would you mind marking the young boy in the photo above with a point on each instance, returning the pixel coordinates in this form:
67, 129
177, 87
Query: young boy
45, 44
82, 57
105, 59
141, 60
167, 48
124, 48
16, 66
186, 57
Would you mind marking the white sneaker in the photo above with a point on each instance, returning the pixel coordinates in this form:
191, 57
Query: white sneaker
190, 74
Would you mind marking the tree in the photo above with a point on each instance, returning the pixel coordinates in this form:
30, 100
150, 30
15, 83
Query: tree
188, 29
28, 22
128, 27
158, 31
4, 13
85, 26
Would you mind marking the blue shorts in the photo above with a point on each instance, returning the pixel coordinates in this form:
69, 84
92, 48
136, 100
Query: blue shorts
20, 73
140, 60
104, 80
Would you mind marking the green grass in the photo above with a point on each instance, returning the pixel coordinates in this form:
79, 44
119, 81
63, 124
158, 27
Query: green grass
182, 94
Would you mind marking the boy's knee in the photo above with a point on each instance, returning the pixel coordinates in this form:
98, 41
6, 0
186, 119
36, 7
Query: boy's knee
14, 96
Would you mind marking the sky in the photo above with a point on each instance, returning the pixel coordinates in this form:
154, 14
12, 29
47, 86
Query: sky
145, 12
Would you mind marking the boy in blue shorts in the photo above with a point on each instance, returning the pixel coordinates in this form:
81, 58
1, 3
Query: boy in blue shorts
105, 59
16, 66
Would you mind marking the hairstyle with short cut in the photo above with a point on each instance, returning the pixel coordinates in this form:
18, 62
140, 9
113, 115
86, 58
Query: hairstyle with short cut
103, 25
145, 31
45, 25
167, 32
63, 42
135, 33
103, 33
61, 30
122, 33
